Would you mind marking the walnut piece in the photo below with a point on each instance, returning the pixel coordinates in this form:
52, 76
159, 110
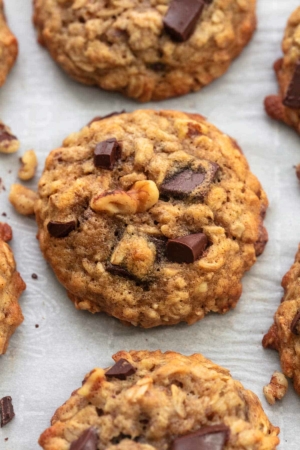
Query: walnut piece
23, 199
5, 232
29, 164
276, 389
8, 142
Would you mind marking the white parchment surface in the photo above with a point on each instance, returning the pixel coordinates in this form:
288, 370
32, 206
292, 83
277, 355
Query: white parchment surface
44, 365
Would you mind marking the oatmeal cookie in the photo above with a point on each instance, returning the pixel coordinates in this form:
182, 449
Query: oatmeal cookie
284, 334
285, 106
145, 50
11, 287
152, 217
154, 400
8, 47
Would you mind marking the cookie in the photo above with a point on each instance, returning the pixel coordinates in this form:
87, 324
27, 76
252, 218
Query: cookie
152, 217
284, 334
11, 287
285, 106
154, 400
8, 47
145, 50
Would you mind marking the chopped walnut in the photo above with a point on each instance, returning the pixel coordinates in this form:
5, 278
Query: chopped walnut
23, 199
8, 142
29, 164
276, 389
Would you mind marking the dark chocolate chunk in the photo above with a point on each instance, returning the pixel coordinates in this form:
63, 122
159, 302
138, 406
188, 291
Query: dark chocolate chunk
295, 326
87, 441
107, 153
157, 67
207, 438
5, 136
7, 410
118, 270
292, 98
96, 119
160, 244
186, 249
121, 370
187, 181
61, 229
181, 18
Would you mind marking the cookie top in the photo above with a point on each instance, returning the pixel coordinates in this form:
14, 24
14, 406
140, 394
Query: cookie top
8, 47
286, 105
11, 287
284, 334
132, 46
151, 216
154, 400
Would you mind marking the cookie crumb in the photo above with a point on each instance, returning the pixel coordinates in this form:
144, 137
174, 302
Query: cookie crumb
34, 276
298, 171
4, 214
5, 232
37, 325
23, 199
276, 389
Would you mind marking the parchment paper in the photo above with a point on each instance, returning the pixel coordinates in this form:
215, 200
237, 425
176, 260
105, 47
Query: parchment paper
44, 365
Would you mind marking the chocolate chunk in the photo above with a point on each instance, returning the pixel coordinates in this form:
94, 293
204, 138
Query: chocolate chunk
181, 18
292, 98
107, 153
118, 270
295, 326
160, 244
186, 249
61, 229
207, 438
7, 411
157, 67
184, 183
96, 119
87, 441
121, 370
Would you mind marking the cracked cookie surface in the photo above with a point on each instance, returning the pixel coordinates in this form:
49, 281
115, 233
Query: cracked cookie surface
132, 242
8, 47
11, 287
284, 334
122, 45
165, 396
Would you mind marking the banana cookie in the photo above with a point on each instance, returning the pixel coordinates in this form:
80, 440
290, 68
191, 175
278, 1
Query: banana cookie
8, 47
285, 106
11, 287
145, 50
284, 334
154, 400
152, 217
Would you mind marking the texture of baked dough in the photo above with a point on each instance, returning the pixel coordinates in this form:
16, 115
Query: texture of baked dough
170, 395
121, 45
8, 47
155, 145
284, 69
280, 336
11, 287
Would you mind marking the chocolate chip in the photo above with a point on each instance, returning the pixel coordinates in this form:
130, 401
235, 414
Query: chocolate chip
7, 410
187, 181
107, 153
295, 326
98, 118
87, 441
207, 438
118, 270
292, 98
61, 229
181, 18
186, 249
121, 370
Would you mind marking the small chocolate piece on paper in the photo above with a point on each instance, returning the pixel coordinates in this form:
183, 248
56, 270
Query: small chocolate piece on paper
87, 441
121, 370
207, 438
295, 326
7, 410
181, 18
97, 118
61, 229
186, 249
292, 98
107, 153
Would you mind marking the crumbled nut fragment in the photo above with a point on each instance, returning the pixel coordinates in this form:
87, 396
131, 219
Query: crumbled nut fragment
276, 389
23, 199
5, 232
146, 194
8, 142
29, 164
